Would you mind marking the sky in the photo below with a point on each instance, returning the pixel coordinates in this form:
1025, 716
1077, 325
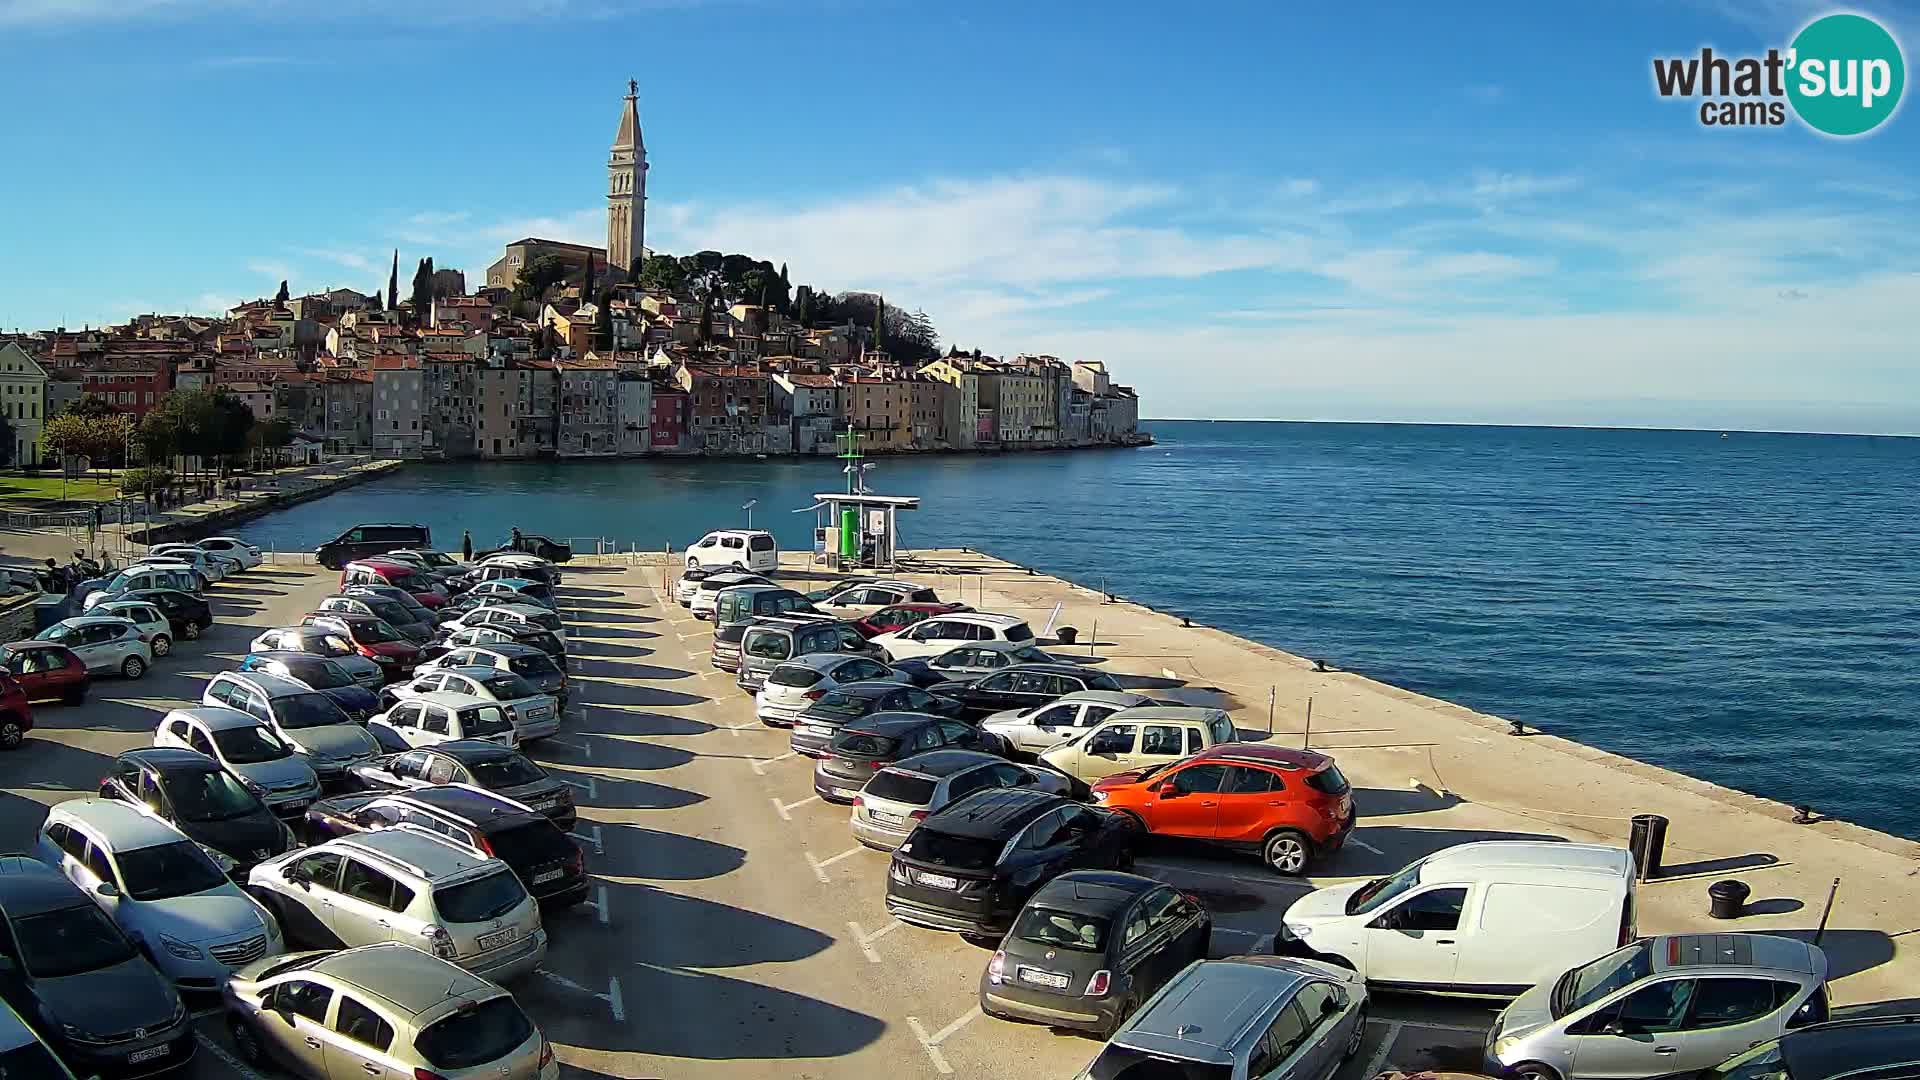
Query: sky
1400, 211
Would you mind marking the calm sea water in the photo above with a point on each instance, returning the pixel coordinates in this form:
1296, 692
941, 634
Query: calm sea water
1741, 609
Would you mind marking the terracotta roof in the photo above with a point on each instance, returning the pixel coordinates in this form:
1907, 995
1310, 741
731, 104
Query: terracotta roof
816, 381
395, 362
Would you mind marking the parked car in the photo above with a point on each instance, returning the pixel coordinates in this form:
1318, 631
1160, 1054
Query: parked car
188, 615
548, 863
419, 584
444, 716
518, 590
741, 549
542, 547
484, 765
160, 887
770, 640
745, 603
1291, 806
900, 616
145, 617
1090, 947
505, 567
867, 745
372, 638
973, 865
1044, 727
794, 685
46, 671
1245, 1018
102, 1006
1514, 913
512, 618
931, 637
1023, 686
725, 651
689, 583
317, 673
1139, 739
326, 643
1848, 1049
971, 661
395, 614
859, 598
202, 562
534, 715
505, 633
140, 578
311, 721
529, 663
434, 562
903, 794
249, 749
816, 725
365, 541
712, 584
1661, 1006
103, 644
246, 555
420, 613
192, 792
16, 713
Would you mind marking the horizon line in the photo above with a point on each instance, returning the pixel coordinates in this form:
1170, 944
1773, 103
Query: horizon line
1546, 427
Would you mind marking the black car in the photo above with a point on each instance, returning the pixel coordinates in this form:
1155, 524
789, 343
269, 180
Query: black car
195, 793
817, 724
501, 634
1881, 1047
1023, 686
544, 547
1090, 948
187, 614
471, 761
972, 865
868, 745
317, 673
95, 999
548, 863
366, 541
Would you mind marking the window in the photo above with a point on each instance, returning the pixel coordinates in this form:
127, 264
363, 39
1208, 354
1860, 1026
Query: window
435, 722
1435, 910
1243, 780
321, 868
1042, 832
1282, 1038
1317, 1001
1719, 1002
1165, 907
303, 999
1161, 739
362, 882
1198, 778
1117, 739
1650, 1010
97, 863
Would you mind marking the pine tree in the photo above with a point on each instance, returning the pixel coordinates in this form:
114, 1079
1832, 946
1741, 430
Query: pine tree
393, 283
879, 323
587, 289
804, 303
280, 298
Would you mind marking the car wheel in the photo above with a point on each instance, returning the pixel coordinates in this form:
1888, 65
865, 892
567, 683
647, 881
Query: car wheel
1534, 1070
1359, 1035
11, 733
247, 1043
162, 644
191, 631
693, 564
1287, 852
133, 667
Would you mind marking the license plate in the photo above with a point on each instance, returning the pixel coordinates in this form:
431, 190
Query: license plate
937, 881
885, 819
538, 714
494, 941
1043, 978
149, 1054
547, 875
815, 729
297, 804
845, 793
546, 804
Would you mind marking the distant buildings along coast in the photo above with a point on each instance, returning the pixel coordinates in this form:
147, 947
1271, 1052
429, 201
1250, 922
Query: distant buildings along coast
577, 351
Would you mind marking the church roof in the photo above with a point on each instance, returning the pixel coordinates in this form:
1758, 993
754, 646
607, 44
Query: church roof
628, 137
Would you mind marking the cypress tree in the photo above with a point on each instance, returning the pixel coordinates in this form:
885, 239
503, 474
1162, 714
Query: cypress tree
393, 283
879, 323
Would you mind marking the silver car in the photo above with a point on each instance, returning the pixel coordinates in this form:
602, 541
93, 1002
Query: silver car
249, 749
901, 795
795, 684
985, 658
1044, 727
384, 1010
1660, 1006
535, 715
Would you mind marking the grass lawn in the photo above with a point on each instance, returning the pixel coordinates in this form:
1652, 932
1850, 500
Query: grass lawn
19, 492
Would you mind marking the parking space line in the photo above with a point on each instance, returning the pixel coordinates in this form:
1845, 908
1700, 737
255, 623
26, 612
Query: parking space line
583, 748
736, 729
1379, 1058
239, 1067
932, 1043
760, 764
1262, 939
785, 810
599, 847
1364, 846
615, 1003
590, 787
1429, 1025
866, 940
820, 865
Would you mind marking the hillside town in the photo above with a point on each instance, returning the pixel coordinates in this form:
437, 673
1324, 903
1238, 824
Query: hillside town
576, 351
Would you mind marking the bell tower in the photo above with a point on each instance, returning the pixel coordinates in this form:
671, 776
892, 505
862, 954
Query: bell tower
627, 188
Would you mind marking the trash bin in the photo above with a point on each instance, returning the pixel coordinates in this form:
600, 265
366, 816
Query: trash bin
1067, 635
1729, 899
1648, 843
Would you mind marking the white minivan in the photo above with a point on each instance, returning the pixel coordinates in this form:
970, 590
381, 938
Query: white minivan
1493, 917
740, 549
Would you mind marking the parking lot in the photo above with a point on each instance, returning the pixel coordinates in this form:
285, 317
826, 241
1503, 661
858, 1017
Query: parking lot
735, 928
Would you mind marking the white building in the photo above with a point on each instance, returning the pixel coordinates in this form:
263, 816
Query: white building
23, 399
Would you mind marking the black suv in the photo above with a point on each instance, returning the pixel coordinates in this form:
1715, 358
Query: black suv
866, 746
478, 764
548, 863
217, 810
187, 614
973, 864
366, 541
818, 723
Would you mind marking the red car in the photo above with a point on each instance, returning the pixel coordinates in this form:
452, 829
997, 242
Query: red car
409, 579
45, 671
901, 616
1291, 806
373, 638
16, 716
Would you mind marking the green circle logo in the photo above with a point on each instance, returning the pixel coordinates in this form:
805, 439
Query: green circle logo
1847, 74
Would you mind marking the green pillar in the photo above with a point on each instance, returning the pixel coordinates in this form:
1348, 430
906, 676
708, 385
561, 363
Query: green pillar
849, 533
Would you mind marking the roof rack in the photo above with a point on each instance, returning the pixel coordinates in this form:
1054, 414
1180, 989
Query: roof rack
360, 844
494, 795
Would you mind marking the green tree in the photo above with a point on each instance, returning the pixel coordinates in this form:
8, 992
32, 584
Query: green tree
280, 298
603, 322
146, 481
422, 291
880, 324
538, 276
92, 406
393, 283
66, 435
803, 305
158, 437
663, 272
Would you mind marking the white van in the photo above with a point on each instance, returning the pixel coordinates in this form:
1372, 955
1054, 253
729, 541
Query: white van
1494, 917
739, 549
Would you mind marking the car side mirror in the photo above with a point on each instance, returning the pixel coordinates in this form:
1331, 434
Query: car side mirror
107, 889
1168, 791
1332, 1005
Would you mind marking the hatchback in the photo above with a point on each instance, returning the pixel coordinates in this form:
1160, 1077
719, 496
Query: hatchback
1661, 1005
1047, 726
902, 795
435, 562
518, 590
794, 685
534, 715
973, 865
934, 636
249, 749
178, 576
317, 673
531, 664
771, 640
16, 714
1290, 806
1857, 1048
420, 612
900, 616
193, 793
149, 619
313, 722
1090, 947
383, 1010
104, 645
689, 584
859, 598
484, 765
445, 716
246, 555
330, 644
1024, 686
395, 614
971, 660
510, 617
868, 745
46, 671
187, 614
372, 638
421, 585
816, 725
503, 633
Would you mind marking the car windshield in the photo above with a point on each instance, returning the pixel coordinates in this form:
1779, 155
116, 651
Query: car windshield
321, 675
507, 686
250, 745
1100, 680
1030, 654
947, 849
532, 665
307, 711
208, 795
1381, 890
794, 675
1067, 929
326, 645
900, 787
68, 941
1585, 985
505, 771
475, 1036
388, 610
835, 703
1330, 781
167, 870
374, 632
481, 899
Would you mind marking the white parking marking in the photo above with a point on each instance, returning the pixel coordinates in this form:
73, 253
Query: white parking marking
1430, 1025
785, 810
760, 764
1262, 939
600, 903
599, 847
736, 729
239, 1067
590, 787
583, 748
615, 1003
866, 940
1364, 846
932, 1043
820, 865
1386, 1047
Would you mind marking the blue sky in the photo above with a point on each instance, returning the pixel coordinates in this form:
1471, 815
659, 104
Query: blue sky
1247, 210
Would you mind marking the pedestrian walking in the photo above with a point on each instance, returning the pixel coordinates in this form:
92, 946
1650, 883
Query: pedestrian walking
466, 546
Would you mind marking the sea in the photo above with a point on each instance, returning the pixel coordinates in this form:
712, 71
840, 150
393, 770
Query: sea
1739, 607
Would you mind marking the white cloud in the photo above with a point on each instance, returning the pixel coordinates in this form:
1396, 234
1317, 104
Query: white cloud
350, 259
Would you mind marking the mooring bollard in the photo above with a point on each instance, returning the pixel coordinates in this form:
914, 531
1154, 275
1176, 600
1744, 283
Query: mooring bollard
1648, 842
1727, 899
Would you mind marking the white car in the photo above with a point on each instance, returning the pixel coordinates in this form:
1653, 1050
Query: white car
707, 593
535, 715
742, 549
247, 748
103, 643
858, 599
1044, 727
432, 719
795, 684
231, 547
211, 566
931, 637
532, 616
177, 575
150, 621
163, 891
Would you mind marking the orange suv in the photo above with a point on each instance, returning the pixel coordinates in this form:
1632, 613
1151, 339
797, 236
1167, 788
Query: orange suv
1292, 806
